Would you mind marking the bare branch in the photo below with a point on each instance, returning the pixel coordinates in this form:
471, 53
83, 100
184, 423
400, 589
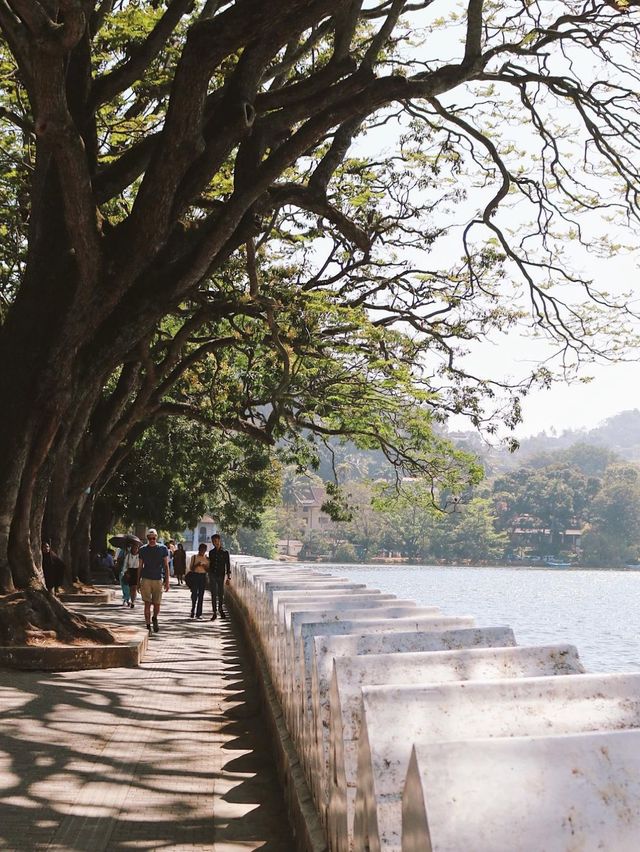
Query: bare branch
317, 203
17, 120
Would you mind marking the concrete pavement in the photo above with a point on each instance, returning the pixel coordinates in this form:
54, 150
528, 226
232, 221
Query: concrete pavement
172, 755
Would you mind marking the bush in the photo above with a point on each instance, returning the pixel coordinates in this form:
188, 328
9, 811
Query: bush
345, 552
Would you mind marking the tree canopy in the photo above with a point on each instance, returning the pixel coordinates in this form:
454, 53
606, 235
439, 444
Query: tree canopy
573, 505
294, 216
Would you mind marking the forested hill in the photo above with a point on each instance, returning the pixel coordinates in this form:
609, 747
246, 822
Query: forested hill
620, 434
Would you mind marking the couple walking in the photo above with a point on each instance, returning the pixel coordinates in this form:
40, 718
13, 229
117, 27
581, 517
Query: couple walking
217, 564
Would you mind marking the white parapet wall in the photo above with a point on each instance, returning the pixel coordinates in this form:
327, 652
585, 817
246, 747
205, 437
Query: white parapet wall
574, 792
464, 711
350, 674
382, 637
487, 740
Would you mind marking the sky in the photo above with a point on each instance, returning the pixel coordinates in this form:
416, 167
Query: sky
601, 390
615, 388
580, 404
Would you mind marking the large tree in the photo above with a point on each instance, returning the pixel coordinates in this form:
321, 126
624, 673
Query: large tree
613, 536
156, 147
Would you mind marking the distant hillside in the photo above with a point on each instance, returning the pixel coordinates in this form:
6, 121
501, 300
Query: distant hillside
619, 434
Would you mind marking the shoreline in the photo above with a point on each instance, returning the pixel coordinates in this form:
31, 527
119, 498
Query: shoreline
394, 563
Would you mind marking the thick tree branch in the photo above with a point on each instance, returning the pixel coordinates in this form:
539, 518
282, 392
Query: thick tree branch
56, 132
52, 36
208, 43
34, 17
107, 87
101, 10
379, 92
316, 202
473, 40
17, 38
243, 427
118, 175
381, 37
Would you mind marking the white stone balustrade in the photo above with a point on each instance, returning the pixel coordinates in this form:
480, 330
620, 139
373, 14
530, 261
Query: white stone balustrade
350, 674
396, 616
348, 607
426, 633
268, 587
288, 604
554, 793
277, 621
449, 712
384, 637
415, 630
495, 756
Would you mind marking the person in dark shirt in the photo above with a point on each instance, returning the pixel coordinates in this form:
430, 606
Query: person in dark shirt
52, 568
219, 567
153, 573
180, 563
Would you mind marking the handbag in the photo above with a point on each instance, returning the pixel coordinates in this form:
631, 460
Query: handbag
188, 577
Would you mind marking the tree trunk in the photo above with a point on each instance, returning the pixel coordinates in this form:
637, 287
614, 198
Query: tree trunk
80, 541
101, 524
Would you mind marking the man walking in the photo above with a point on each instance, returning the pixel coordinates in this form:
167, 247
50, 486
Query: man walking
153, 573
219, 565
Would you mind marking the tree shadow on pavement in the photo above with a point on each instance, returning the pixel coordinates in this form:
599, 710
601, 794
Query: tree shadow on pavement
168, 755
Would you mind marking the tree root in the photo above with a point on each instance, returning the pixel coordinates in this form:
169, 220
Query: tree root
35, 617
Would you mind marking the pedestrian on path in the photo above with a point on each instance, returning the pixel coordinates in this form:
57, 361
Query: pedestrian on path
219, 567
129, 573
52, 568
153, 574
198, 568
180, 563
171, 547
107, 561
125, 587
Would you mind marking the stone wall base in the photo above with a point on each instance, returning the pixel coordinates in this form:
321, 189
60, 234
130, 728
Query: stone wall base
305, 824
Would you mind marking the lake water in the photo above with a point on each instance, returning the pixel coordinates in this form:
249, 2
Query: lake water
598, 611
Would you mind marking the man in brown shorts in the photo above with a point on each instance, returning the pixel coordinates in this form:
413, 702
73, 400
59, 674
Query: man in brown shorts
153, 575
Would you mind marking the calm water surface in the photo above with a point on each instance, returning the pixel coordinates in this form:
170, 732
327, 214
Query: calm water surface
595, 610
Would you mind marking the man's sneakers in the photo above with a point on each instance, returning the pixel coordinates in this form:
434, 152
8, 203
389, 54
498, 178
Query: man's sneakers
154, 621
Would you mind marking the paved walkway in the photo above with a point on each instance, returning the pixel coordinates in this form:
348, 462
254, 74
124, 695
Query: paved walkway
169, 756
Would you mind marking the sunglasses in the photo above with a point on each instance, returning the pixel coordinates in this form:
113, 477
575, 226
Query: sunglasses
152, 537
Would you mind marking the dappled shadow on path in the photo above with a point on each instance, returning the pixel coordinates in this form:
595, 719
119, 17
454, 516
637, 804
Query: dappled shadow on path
170, 755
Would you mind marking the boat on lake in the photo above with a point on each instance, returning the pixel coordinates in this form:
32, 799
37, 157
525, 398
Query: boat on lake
556, 563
